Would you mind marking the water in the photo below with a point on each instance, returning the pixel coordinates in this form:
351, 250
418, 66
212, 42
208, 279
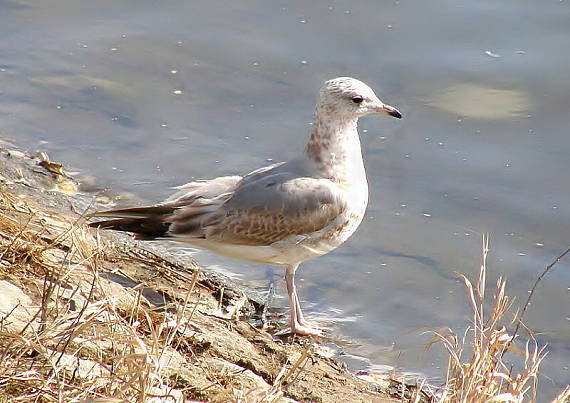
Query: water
147, 95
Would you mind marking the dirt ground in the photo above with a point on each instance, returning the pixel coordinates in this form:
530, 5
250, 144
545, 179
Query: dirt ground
94, 316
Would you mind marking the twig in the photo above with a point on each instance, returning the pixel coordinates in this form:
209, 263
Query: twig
268, 301
527, 303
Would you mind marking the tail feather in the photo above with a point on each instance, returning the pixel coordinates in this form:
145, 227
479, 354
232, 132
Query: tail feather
143, 229
137, 212
147, 223
182, 215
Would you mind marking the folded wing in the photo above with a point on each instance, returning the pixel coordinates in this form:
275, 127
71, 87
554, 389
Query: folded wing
260, 209
265, 211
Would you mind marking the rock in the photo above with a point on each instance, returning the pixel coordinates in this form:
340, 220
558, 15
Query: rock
15, 307
83, 368
16, 154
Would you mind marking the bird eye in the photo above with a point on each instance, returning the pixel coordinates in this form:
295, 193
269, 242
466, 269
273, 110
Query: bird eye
357, 99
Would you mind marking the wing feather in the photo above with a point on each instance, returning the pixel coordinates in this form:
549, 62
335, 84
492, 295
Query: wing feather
269, 209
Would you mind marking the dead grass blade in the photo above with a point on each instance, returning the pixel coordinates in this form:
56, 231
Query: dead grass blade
485, 376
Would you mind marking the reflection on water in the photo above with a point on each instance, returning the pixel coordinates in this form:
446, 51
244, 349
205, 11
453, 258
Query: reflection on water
481, 103
145, 96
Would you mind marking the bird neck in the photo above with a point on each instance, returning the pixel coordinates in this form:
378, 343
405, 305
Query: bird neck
334, 147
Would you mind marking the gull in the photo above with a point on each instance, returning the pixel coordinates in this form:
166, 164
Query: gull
282, 214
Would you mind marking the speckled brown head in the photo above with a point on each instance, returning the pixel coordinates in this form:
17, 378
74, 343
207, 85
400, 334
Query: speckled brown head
350, 98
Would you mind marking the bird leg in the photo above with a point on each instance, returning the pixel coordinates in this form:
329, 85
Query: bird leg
298, 323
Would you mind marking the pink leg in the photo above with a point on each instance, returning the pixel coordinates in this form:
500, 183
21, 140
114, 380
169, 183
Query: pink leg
298, 323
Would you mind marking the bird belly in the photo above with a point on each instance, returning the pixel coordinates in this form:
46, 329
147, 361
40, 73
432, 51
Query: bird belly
289, 251
299, 248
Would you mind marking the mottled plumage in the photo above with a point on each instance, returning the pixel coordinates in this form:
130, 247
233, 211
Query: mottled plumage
282, 214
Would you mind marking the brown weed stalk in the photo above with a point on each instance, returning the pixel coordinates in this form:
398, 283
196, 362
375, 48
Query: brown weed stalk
476, 371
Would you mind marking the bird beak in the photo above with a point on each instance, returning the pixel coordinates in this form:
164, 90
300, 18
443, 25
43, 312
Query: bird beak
390, 110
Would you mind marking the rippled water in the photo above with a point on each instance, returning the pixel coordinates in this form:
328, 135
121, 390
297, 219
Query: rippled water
147, 95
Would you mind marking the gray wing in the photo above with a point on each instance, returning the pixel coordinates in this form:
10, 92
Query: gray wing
206, 189
269, 205
196, 200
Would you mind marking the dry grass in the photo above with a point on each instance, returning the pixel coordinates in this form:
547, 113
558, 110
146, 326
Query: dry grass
477, 370
82, 340
78, 342
81, 337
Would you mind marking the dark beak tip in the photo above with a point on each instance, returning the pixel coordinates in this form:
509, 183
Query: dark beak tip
395, 113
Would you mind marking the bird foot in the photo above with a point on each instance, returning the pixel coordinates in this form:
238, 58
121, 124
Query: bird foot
305, 329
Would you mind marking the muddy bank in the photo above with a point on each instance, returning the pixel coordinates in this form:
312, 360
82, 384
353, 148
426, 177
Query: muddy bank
90, 315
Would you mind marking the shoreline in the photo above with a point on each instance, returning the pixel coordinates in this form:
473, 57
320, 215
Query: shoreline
115, 314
